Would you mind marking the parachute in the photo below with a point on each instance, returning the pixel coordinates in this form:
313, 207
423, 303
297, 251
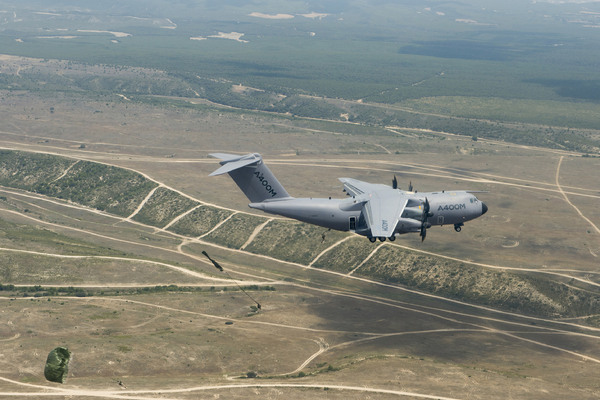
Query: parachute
57, 365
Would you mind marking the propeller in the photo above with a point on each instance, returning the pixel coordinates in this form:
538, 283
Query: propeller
426, 214
395, 183
410, 187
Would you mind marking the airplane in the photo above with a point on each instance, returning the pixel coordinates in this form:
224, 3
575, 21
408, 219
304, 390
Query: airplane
376, 211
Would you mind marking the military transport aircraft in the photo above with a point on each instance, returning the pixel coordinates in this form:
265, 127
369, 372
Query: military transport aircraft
372, 210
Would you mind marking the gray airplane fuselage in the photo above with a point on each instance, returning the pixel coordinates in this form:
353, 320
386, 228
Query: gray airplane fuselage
448, 208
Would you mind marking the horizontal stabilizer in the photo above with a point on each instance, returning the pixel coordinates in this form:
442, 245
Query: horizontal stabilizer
226, 156
232, 162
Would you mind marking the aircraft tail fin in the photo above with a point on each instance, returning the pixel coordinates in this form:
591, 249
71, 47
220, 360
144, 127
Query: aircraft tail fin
252, 175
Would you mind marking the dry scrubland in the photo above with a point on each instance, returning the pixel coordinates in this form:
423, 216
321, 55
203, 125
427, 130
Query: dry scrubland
129, 194
122, 189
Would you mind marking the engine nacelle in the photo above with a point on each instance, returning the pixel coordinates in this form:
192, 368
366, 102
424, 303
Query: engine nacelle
406, 225
412, 212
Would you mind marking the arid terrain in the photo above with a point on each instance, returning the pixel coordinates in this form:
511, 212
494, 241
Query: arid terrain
507, 308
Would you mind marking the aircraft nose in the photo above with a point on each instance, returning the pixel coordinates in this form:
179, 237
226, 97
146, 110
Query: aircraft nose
484, 208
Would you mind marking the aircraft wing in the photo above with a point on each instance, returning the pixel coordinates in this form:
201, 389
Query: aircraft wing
383, 205
383, 214
354, 187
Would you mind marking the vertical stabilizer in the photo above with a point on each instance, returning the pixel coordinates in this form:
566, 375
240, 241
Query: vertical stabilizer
252, 176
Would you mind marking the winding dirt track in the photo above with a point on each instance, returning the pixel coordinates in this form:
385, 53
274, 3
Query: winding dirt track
151, 394
569, 201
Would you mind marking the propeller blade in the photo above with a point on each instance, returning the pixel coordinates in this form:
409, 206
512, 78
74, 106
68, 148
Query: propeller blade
410, 187
395, 183
424, 216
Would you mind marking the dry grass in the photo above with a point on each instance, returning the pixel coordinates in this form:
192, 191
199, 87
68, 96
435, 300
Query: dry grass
199, 221
293, 241
148, 340
163, 206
